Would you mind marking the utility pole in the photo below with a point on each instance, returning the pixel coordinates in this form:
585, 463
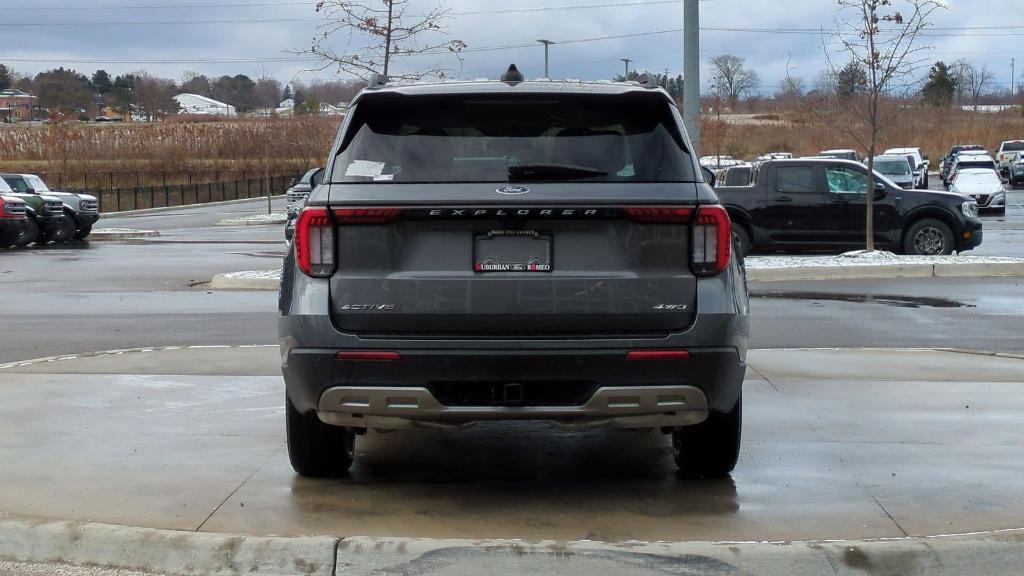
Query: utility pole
547, 44
1013, 77
691, 71
627, 61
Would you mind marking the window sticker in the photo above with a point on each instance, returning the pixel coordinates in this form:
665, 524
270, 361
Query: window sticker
365, 169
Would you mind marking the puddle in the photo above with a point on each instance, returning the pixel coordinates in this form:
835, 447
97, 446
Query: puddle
897, 301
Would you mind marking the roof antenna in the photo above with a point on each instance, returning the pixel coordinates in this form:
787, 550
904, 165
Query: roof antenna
512, 75
648, 80
377, 81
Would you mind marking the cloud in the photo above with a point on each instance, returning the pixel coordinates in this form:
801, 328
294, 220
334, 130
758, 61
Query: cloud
39, 38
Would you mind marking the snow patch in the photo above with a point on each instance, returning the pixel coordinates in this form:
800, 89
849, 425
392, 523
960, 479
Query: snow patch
273, 218
255, 275
865, 258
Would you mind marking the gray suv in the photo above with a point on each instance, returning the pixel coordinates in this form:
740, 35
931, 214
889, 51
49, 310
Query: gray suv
512, 250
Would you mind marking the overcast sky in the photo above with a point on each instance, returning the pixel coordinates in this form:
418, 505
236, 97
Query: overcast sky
83, 34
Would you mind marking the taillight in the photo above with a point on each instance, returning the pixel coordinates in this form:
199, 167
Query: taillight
366, 215
660, 214
711, 248
314, 242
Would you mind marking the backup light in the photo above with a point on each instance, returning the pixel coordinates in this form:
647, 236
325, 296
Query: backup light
314, 242
712, 241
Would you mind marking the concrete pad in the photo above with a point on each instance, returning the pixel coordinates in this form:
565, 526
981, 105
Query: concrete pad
837, 445
226, 282
180, 360
885, 365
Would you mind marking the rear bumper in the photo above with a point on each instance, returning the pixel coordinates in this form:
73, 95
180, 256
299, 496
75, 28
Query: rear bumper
592, 387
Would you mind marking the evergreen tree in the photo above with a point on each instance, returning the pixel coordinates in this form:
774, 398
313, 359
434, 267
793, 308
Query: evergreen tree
941, 86
101, 82
6, 79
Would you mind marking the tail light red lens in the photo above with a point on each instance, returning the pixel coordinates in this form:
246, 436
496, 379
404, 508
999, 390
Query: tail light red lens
712, 241
660, 214
314, 242
657, 355
366, 215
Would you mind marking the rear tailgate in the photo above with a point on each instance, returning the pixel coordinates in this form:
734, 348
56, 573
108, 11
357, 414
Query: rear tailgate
535, 265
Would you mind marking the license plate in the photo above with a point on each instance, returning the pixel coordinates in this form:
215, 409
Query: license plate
512, 250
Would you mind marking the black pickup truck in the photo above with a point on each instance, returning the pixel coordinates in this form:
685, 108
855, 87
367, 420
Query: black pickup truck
821, 205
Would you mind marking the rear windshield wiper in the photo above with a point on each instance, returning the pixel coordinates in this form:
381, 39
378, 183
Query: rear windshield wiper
553, 171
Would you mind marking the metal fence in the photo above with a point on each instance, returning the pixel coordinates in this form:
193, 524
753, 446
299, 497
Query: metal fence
118, 191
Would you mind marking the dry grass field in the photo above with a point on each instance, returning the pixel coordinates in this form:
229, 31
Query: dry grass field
174, 148
804, 134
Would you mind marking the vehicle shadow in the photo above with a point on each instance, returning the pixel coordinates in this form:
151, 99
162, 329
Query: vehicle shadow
510, 468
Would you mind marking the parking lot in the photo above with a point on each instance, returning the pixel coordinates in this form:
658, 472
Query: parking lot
922, 445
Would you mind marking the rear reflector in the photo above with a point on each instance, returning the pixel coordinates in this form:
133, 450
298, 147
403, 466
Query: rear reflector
369, 356
366, 215
659, 214
314, 242
712, 241
657, 355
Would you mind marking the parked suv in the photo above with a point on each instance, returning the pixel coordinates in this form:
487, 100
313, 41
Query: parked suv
81, 211
920, 163
513, 250
13, 220
45, 217
297, 194
946, 165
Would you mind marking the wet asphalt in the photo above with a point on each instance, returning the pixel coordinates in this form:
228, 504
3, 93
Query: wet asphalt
90, 296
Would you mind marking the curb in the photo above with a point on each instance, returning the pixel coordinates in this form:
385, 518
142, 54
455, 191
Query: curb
881, 272
168, 551
129, 213
102, 235
181, 552
223, 282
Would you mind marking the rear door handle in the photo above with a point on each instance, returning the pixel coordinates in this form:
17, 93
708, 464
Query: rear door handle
783, 199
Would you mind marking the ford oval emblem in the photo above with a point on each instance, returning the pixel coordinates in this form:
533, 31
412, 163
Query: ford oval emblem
513, 190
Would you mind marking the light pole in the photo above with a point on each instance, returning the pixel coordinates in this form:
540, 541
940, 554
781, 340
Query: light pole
547, 44
627, 61
691, 70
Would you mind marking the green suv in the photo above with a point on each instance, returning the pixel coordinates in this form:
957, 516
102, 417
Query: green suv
45, 217
81, 211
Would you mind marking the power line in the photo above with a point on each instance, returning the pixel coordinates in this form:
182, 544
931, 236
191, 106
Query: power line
311, 4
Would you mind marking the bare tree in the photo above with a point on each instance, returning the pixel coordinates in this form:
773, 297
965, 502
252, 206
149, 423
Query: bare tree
378, 33
881, 37
961, 69
731, 78
976, 81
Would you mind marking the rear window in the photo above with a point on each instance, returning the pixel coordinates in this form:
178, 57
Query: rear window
1013, 146
893, 167
497, 138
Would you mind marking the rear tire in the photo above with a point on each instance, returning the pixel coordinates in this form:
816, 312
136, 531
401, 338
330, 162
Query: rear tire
742, 240
928, 237
315, 449
83, 232
709, 449
29, 234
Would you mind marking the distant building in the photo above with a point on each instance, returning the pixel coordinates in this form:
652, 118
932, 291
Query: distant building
201, 105
289, 103
16, 106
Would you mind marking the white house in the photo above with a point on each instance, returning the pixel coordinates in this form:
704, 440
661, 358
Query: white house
196, 104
